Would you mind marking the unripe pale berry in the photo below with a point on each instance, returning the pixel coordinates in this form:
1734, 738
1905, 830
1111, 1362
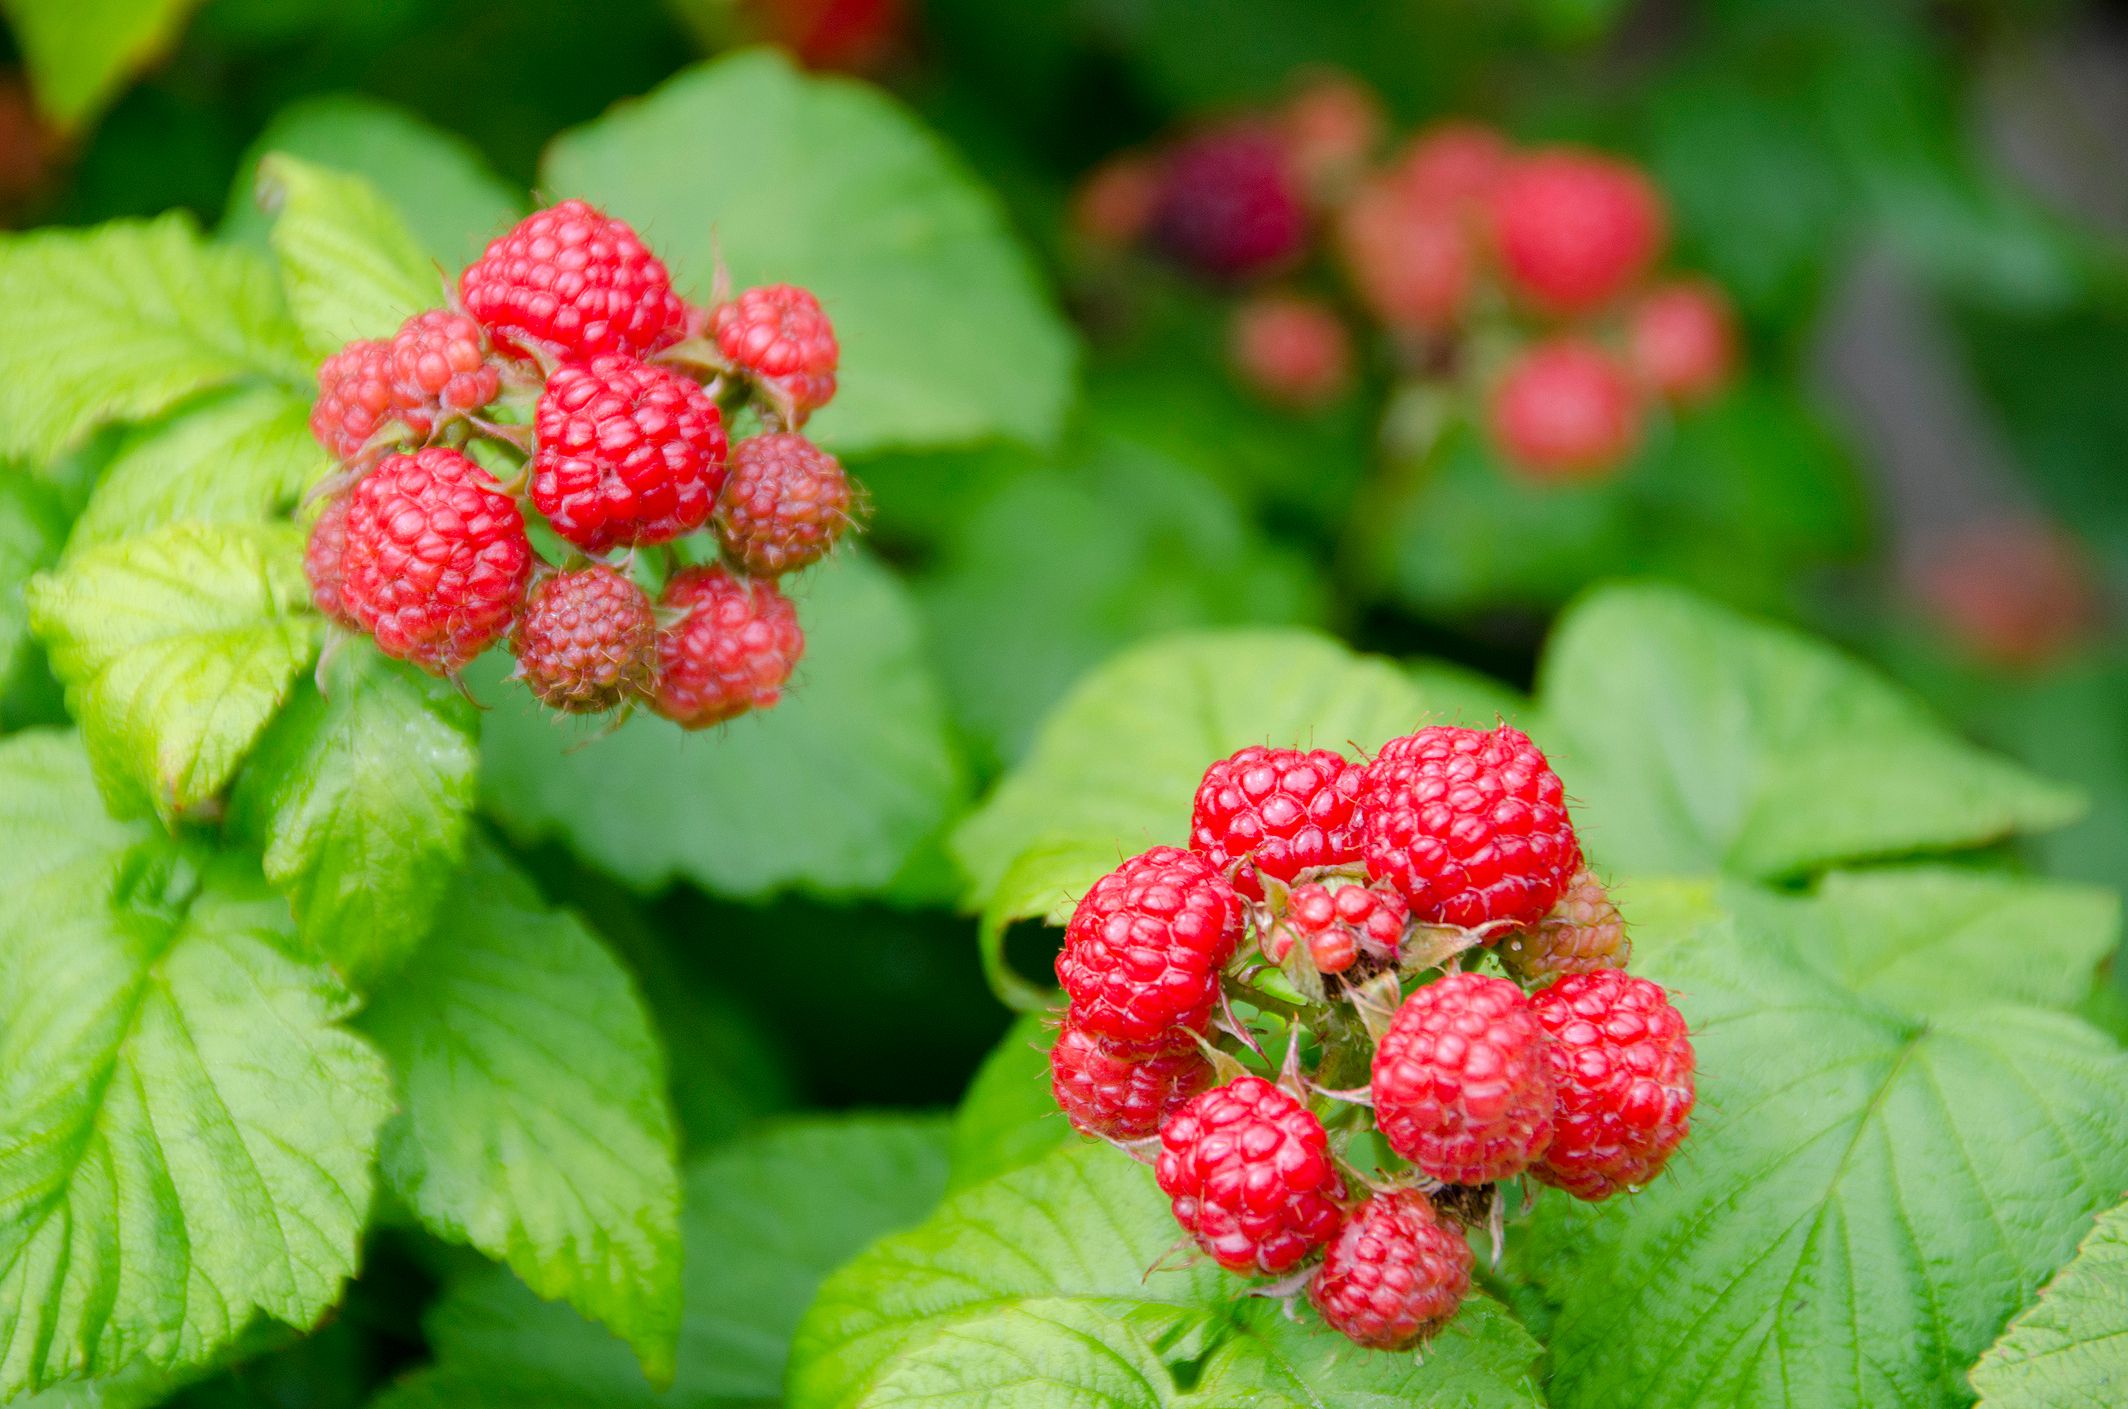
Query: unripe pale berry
1681, 339
1566, 410
1292, 350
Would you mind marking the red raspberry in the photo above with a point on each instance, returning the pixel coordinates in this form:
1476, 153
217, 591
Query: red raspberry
1582, 934
1143, 951
1682, 340
587, 640
786, 503
440, 369
1621, 1063
1337, 924
1460, 1085
1470, 825
780, 336
1408, 258
1575, 228
1115, 1094
1394, 1274
732, 651
436, 558
1566, 410
1249, 1172
628, 453
1280, 811
1229, 207
356, 398
1291, 349
1453, 165
571, 281
321, 563
1329, 126
1113, 205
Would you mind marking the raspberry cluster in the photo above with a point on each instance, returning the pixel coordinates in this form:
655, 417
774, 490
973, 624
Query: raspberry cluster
1420, 934
1526, 280
567, 381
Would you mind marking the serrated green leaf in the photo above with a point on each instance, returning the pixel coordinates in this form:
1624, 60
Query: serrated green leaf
994, 1294
832, 791
359, 800
1009, 1118
239, 458
351, 267
176, 648
81, 52
767, 1218
2070, 1349
190, 1130
1697, 740
122, 321
32, 526
837, 189
534, 1121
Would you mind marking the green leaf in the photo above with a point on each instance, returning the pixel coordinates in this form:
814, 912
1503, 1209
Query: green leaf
947, 336
767, 1218
189, 1129
351, 267
176, 648
1033, 1289
832, 791
1866, 1196
359, 799
534, 1121
1697, 740
1009, 1118
125, 320
2070, 1349
239, 458
32, 526
81, 52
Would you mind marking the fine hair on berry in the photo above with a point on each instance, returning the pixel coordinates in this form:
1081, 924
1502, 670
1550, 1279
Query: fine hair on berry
1276, 812
1622, 1064
1144, 948
1460, 1084
784, 505
571, 281
587, 640
730, 647
1116, 1093
1395, 1273
1248, 1172
628, 453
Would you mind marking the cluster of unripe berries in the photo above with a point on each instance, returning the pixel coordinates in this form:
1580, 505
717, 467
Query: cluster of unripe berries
567, 379
1524, 276
1423, 927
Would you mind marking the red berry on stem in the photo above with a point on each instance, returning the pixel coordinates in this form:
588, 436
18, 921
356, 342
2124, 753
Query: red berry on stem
731, 650
1460, 1084
1394, 1274
322, 563
1566, 410
1142, 954
1682, 340
1292, 350
1453, 166
786, 503
1621, 1063
1115, 1093
1229, 207
1338, 923
440, 369
436, 558
1409, 259
1113, 205
1575, 229
587, 640
1329, 126
572, 282
780, 336
1248, 1170
1277, 812
357, 397
629, 452
1583, 933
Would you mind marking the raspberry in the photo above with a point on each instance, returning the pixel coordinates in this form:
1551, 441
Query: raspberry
1290, 349
1582, 934
1682, 340
356, 398
571, 281
1408, 258
1115, 1094
1454, 165
587, 640
1460, 1084
780, 336
440, 369
786, 503
1113, 205
1337, 924
1329, 126
1277, 812
1228, 206
628, 453
1394, 1274
1574, 228
1621, 1063
2015, 592
436, 558
322, 563
1470, 826
1566, 410
1142, 953
731, 652
1249, 1172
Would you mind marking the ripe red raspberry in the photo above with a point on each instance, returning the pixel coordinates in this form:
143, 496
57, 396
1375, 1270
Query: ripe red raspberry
587, 640
732, 651
571, 281
1460, 1085
1229, 207
1453, 165
440, 369
322, 557
436, 558
1115, 1094
780, 336
629, 452
786, 503
1249, 1172
1142, 954
1621, 1063
1338, 923
1574, 229
1582, 934
1292, 350
1408, 258
1394, 1274
1682, 340
1113, 205
1469, 825
356, 398
1566, 410
1277, 812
